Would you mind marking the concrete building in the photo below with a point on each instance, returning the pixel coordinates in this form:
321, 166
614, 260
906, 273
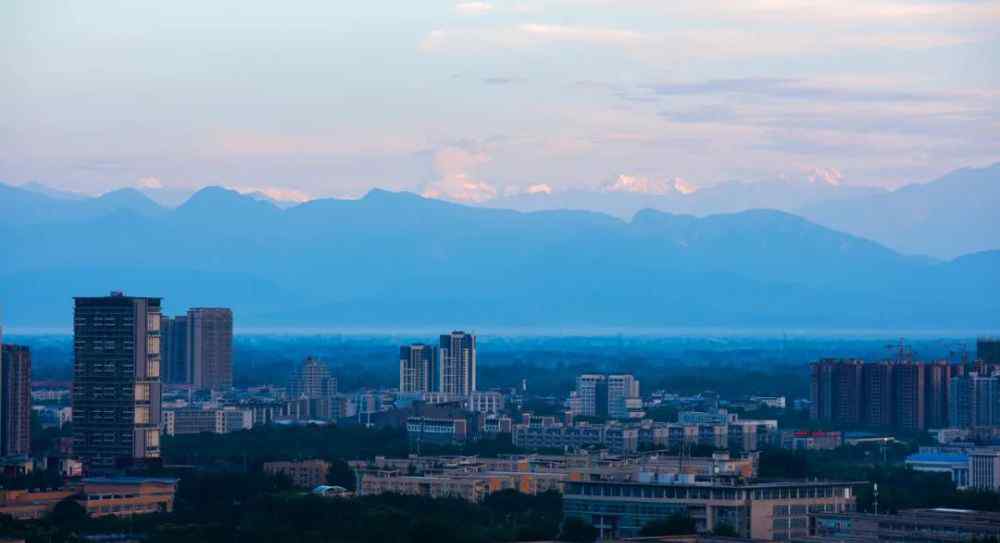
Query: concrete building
15, 400
116, 381
195, 420
766, 511
312, 379
99, 496
984, 469
456, 371
925, 525
798, 440
836, 391
469, 487
485, 401
416, 368
210, 347
954, 464
303, 474
436, 431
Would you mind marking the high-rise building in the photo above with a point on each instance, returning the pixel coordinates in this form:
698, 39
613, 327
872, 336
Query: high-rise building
908, 391
937, 377
457, 363
416, 368
210, 348
621, 389
591, 397
836, 393
988, 350
15, 400
877, 387
311, 380
173, 347
116, 381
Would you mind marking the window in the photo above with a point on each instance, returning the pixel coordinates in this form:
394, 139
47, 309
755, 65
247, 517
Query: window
142, 414
142, 392
153, 368
153, 322
153, 345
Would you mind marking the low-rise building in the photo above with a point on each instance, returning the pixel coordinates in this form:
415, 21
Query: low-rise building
984, 469
99, 496
436, 431
803, 440
768, 511
304, 473
954, 464
925, 525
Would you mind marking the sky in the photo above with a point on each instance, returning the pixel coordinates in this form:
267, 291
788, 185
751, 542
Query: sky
477, 100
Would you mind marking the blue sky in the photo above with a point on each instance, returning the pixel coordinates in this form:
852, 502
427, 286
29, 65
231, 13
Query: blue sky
469, 100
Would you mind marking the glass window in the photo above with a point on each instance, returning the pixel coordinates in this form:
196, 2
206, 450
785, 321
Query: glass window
153, 367
142, 414
153, 345
142, 392
153, 322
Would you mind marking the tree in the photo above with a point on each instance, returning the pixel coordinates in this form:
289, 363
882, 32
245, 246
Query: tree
578, 531
675, 524
341, 474
68, 515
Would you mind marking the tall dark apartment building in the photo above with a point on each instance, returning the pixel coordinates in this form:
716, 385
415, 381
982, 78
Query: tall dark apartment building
116, 381
210, 347
416, 368
835, 388
908, 390
456, 371
988, 350
15, 400
174, 350
937, 381
877, 387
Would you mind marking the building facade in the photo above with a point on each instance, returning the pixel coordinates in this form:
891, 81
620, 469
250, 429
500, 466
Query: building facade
416, 368
312, 379
15, 400
765, 511
456, 371
210, 348
116, 381
303, 474
173, 351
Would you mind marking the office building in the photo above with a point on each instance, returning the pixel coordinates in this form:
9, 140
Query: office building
973, 401
116, 381
984, 469
210, 348
173, 350
416, 368
15, 400
765, 511
312, 379
456, 371
988, 350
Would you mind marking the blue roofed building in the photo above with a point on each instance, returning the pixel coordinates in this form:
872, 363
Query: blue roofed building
955, 464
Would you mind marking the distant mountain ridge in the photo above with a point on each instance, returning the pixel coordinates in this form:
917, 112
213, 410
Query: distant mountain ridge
397, 259
951, 216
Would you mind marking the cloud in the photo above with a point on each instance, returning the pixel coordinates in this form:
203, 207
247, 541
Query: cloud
683, 186
455, 182
149, 183
637, 184
473, 8
541, 188
465, 40
830, 176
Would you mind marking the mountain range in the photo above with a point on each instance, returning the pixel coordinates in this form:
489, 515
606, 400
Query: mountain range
945, 218
397, 259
